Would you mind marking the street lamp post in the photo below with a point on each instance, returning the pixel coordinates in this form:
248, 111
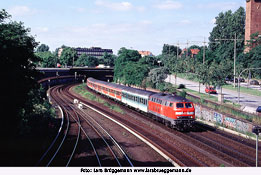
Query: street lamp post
235, 53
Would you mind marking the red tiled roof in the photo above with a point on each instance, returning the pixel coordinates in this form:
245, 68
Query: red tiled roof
194, 51
145, 53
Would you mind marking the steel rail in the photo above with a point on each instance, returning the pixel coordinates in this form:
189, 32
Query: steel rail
113, 140
99, 133
56, 137
92, 145
65, 135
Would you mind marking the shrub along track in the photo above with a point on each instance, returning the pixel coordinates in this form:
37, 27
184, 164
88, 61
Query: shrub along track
204, 146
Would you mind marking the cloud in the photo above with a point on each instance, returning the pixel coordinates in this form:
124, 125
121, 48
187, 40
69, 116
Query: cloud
21, 11
168, 5
121, 6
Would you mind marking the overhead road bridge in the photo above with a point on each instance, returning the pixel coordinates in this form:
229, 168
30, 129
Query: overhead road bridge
105, 74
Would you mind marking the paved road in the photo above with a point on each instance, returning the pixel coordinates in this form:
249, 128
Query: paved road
249, 102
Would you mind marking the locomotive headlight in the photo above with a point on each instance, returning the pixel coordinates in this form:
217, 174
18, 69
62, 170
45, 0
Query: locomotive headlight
190, 113
179, 113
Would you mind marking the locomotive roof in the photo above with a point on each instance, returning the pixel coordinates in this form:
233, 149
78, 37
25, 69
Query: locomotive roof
169, 97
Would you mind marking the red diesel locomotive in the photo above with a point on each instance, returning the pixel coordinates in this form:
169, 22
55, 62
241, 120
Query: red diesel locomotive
174, 111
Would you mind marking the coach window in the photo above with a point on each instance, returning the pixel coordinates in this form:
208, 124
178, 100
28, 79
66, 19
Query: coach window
171, 104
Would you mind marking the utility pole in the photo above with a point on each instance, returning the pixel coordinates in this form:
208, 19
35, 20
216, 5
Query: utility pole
235, 53
177, 49
204, 50
187, 49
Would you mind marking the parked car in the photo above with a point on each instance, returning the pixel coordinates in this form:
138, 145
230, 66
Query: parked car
258, 109
229, 79
242, 80
254, 82
210, 90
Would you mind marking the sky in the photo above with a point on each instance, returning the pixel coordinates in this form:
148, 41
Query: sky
112, 24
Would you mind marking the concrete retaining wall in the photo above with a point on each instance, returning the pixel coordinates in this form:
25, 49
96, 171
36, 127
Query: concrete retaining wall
222, 119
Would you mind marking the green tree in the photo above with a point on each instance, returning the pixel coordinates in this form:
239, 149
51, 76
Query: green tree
124, 56
47, 59
255, 40
108, 59
170, 50
17, 70
202, 73
151, 61
86, 60
209, 56
42, 48
227, 25
252, 59
135, 73
82, 60
157, 76
68, 57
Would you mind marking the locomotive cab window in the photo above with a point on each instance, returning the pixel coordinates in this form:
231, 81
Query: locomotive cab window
171, 104
188, 105
180, 105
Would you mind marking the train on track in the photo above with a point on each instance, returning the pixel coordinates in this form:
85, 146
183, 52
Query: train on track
174, 111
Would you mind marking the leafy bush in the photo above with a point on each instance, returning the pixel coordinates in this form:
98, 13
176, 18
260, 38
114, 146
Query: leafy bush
183, 94
181, 86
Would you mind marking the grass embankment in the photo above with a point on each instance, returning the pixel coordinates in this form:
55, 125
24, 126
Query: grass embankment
80, 89
243, 90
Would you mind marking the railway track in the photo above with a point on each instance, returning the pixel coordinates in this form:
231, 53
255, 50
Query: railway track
62, 149
83, 142
203, 147
181, 157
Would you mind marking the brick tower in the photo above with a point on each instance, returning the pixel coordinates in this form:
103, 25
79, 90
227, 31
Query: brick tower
253, 19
